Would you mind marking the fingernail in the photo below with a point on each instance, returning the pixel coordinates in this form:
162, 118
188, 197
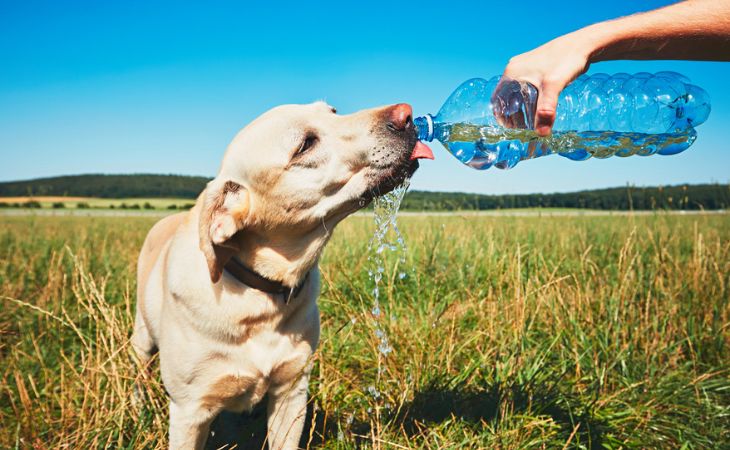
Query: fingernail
543, 125
544, 121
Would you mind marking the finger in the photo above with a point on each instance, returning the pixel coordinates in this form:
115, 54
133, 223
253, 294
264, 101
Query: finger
545, 111
497, 104
506, 104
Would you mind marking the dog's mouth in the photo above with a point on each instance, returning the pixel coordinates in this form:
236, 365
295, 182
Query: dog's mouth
389, 180
404, 166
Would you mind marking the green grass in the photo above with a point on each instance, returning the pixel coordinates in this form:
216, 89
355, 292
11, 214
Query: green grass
509, 332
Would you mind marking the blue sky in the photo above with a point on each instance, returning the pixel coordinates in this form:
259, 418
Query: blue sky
162, 87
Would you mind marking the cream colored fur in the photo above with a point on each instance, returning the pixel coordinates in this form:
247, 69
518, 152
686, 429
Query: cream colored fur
222, 344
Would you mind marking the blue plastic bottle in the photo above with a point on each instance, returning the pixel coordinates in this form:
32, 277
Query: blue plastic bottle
485, 123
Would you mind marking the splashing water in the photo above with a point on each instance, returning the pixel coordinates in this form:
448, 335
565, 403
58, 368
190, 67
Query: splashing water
386, 210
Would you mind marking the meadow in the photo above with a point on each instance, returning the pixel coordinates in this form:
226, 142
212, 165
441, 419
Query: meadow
507, 333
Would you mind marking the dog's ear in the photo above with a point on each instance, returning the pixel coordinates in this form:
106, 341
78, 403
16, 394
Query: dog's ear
224, 213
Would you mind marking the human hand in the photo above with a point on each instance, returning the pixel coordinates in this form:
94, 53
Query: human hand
549, 68
692, 29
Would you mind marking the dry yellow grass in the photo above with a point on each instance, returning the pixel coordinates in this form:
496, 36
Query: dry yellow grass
508, 333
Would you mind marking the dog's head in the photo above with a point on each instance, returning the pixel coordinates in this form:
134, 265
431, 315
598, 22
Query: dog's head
296, 171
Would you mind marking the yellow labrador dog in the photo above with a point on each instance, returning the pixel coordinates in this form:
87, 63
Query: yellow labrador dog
227, 291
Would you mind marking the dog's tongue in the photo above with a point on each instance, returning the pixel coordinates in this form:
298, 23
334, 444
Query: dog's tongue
421, 151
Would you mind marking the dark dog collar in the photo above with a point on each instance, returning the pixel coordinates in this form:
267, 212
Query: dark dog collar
255, 280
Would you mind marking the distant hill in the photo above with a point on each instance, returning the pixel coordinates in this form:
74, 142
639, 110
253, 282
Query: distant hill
698, 196
108, 186
690, 197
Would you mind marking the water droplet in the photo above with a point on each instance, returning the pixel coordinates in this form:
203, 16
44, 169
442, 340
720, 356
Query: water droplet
376, 311
384, 348
373, 392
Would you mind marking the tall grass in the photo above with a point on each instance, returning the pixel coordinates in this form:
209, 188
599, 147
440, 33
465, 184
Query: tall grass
562, 332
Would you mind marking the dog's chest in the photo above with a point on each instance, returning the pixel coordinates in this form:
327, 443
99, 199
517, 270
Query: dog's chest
268, 360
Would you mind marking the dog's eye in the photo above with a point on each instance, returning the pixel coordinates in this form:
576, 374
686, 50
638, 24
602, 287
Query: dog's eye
309, 142
334, 110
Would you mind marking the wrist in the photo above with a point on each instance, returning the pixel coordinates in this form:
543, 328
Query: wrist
616, 39
597, 41
581, 44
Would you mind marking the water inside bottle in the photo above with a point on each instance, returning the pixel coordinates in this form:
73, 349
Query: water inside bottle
482, 147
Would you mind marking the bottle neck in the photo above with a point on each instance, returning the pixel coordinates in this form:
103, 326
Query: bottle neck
424, 125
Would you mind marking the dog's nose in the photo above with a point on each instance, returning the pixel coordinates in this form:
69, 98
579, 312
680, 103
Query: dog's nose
400, 116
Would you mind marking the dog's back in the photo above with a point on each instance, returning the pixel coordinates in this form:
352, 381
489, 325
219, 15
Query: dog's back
154, 244
155, 241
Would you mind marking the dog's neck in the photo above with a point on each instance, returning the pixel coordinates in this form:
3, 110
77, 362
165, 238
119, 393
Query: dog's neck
281, 258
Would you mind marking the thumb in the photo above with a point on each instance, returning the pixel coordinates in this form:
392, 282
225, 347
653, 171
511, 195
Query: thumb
545, 111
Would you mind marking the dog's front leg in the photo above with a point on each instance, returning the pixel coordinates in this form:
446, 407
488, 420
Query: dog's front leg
188, 427
287, 409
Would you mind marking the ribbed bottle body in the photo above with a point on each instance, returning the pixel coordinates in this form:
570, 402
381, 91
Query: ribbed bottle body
486, 123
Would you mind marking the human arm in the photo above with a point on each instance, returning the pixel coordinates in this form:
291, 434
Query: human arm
691, 30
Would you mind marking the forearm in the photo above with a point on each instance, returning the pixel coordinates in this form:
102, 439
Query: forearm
694, 30
691, 30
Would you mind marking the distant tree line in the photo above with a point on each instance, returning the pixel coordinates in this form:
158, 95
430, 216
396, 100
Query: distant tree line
699, 196
108, 186
688, 197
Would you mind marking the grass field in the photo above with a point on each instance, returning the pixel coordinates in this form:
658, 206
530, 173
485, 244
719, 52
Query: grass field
508, 332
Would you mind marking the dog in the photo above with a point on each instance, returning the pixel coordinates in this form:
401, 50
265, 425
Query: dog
227, 291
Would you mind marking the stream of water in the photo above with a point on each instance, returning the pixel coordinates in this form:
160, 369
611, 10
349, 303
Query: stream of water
387, 238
